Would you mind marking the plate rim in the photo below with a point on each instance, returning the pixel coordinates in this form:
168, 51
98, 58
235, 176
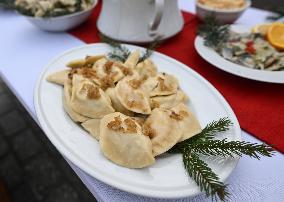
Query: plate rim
78, 161
238, 70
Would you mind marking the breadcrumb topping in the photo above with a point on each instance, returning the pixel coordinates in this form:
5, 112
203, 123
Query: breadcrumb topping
108, 67
125, 70
135, 83
107, 81
162, 85
178, 116
116, 124
93, 92
148, 131
85, 72
131, 126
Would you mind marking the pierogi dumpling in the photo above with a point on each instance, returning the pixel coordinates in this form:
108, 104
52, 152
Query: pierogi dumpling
67, 106
87, 62
89, 100
132, 60
77, 63
188, 123
131, 96
58, 77
93, 127
162, 84
122, 141
163, 130
116, 103
168, 101
108, 72
146, 68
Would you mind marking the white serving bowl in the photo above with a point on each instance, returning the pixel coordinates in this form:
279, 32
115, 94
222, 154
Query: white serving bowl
62, 23
223, 16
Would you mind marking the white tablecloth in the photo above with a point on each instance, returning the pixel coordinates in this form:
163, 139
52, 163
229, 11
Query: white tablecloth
25, 50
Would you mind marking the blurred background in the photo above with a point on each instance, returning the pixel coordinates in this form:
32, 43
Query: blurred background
31, 169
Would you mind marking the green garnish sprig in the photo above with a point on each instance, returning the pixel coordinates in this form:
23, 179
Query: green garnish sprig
205, 144
213, 33
121, 53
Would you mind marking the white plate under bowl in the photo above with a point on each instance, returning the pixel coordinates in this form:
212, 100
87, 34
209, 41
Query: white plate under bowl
167, 177
215, 59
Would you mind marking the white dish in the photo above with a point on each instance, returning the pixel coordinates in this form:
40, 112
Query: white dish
62, 23
215, 59
167, 177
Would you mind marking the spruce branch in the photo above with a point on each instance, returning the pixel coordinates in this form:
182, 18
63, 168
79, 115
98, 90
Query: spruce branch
204, 177
205, 144
225, 148
149, 51
208, 133
121, 53
213, 33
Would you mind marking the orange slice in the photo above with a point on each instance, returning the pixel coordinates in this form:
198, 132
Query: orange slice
261, 28
275, 35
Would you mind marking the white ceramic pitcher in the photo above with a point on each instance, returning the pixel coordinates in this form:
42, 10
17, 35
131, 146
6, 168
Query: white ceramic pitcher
140, 21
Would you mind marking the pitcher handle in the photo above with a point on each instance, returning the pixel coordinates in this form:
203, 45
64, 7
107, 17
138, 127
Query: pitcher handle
159, 10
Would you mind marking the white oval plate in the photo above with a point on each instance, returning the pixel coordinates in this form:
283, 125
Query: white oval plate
167, 177
215, 59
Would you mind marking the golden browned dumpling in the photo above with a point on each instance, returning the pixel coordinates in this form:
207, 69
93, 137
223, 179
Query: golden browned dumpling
188, 123
89, 100
162, 129
58, 77
122, 141
168, 101
93, 127
131, 96
67, 106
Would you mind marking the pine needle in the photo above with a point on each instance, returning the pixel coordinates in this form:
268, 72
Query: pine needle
204, 177
208, 133
205, 143
225, 148
214, 34
121, 53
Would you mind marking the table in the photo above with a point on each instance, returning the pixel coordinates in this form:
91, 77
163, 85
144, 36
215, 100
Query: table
25, 50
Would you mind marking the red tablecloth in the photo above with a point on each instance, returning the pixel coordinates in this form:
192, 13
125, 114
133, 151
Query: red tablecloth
259, 106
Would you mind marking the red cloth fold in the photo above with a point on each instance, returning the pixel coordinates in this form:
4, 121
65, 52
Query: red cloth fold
259, 106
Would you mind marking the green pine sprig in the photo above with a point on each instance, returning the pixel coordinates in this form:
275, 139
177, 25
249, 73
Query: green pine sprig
213, 33
208, 133
121, 53
231, 148
203, 175
149, 51
205, 143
